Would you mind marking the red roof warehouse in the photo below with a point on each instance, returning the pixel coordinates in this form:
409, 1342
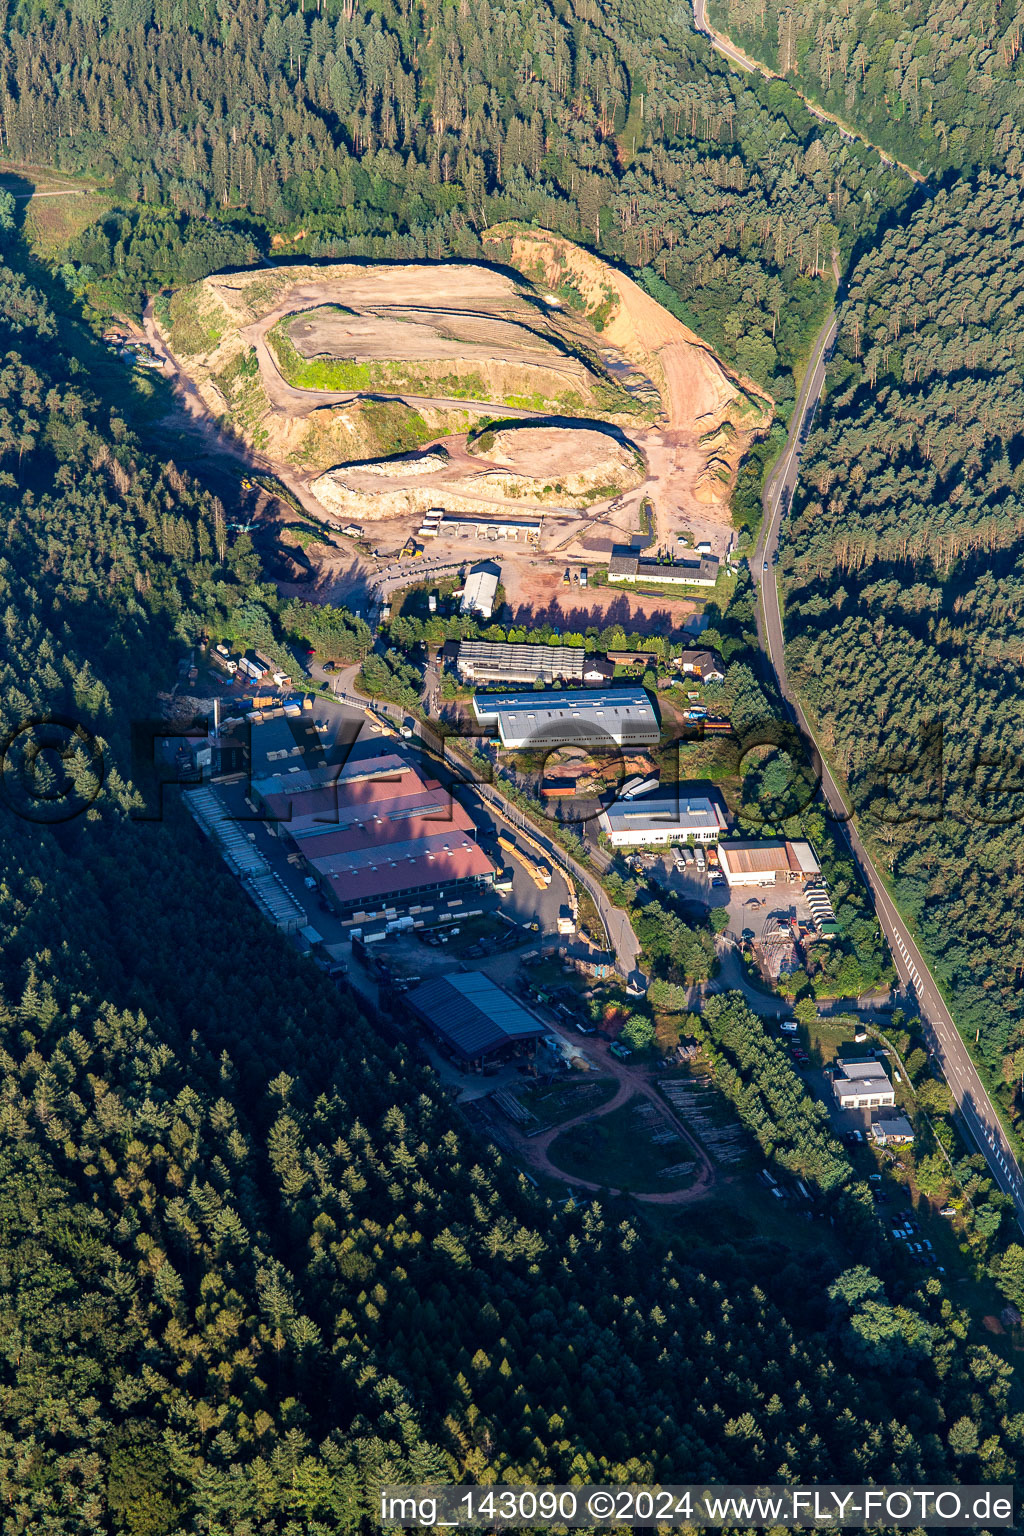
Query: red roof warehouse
375, 831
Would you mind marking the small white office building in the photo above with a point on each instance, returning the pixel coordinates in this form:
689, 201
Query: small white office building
657, 820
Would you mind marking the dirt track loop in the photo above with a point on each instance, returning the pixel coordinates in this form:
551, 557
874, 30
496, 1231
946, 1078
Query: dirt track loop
535, 1149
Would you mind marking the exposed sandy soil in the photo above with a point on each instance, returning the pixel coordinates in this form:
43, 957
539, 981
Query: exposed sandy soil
333, 435
463, 316
544, 467
322, 443
711, 412
535, 591
552, 453
701, 390
450, 320
421, 335
455, 286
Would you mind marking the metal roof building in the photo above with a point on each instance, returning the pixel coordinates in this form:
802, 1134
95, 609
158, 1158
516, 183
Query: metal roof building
484, 662
892, 1128
373, 832
862, 1085
480, 590
771, 862
671, 818
598, 717
472, 1016
625, 566
400, 871
298, 780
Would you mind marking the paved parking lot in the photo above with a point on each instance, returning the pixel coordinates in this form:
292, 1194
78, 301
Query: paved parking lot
748, 906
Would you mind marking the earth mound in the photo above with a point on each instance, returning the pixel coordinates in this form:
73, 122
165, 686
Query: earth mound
701, 391
567, 460
442, 333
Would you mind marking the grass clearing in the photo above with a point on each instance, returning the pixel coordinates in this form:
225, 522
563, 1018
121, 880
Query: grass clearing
557, 1102
53, 222
335, 373
617, 1150
193, 329
59, 208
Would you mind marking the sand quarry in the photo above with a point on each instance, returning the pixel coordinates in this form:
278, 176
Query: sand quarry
602, 419
523, 465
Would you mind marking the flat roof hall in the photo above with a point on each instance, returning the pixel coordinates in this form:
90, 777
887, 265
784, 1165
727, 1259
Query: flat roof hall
623, 717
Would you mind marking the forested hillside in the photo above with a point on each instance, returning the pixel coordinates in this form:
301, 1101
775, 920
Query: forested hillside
905, 587
250, 1259
936, 82
407, 129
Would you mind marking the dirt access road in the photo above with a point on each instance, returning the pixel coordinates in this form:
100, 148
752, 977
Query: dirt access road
671, 454
296, 402
631, 1081
735, 55
694, 384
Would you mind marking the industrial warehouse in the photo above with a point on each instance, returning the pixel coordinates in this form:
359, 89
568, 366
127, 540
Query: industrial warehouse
626, 566
622, 717
374, 832
772, 862
662, 819
473, 1019
491, 661
483, 661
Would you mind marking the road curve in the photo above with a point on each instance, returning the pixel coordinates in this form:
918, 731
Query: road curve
975, 1106
729, 50
631, 1084
721, 42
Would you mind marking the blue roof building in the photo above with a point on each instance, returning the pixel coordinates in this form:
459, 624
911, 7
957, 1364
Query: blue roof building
472, 1016
621, 717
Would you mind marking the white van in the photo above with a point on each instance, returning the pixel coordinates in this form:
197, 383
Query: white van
789, 1027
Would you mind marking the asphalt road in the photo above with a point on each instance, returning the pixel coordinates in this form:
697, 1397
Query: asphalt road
728, 50
949, 1050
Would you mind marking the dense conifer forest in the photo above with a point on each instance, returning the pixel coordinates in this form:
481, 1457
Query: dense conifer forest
905, 589
406, 129
252, 1261
936, 82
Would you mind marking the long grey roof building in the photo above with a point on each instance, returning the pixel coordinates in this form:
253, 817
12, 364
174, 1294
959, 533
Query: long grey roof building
622, 717
490, 662
664, 818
